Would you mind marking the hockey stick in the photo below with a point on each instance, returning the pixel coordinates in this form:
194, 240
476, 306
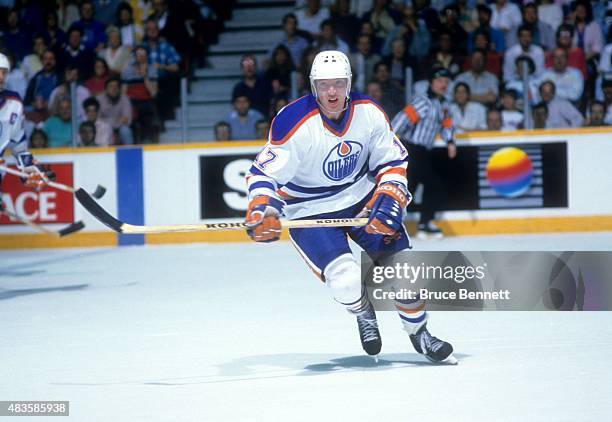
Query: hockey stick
120, 227
72, 228
98, 193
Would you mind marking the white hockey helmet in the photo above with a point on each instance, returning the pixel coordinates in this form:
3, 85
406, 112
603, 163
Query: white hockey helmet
331, 65
4, 63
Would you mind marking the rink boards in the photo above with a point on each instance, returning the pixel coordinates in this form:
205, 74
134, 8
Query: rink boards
551, 181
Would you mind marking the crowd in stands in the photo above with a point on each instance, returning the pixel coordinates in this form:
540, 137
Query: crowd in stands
565, 47
126, 58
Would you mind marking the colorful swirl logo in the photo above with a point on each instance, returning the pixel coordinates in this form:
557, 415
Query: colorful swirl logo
509, 172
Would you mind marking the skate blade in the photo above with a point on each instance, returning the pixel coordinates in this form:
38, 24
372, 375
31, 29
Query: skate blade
450, 360
375, 357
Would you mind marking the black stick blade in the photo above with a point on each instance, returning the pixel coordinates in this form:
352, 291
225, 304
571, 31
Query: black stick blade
74, 227
97, 211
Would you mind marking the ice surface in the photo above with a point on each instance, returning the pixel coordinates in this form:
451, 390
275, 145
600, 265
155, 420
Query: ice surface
245, 332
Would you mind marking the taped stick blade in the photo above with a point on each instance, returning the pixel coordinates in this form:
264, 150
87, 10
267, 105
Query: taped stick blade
74, 227
97, 211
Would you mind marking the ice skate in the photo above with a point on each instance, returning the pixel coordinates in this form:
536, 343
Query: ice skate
428, 231
432, 348
368, 332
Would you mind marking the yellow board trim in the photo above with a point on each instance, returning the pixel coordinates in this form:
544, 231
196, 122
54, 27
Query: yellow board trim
41, 240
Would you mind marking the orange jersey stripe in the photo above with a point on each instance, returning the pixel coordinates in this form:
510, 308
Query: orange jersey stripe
394, 170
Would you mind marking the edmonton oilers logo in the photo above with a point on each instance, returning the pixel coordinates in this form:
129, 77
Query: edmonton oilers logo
342, 160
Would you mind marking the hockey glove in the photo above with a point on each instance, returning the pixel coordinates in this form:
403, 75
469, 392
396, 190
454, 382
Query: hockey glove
262, 219
38, 176
385, 209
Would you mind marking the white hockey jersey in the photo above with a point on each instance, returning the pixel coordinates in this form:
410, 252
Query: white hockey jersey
12, 132
318, 166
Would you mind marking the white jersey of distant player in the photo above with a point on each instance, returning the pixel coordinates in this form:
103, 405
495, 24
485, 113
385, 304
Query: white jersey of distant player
12, 132
317, 166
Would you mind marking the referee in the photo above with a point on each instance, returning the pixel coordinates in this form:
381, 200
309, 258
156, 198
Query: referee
417, 126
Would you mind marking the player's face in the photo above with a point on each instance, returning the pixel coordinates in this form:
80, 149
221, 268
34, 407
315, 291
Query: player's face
331, 93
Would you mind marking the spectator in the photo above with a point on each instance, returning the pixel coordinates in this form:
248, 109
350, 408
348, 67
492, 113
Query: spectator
587, 32
512, 118
414, 33
45, 81
494, 120
278, 74
374, 91
15, 38
345, 22
131, 32
496, 38
59, 127
32, 63
550, 12
76, 55
543, 34
36, 115
116, 109
450, 24
327, 39
383, 18
305, 67
540, 116
39, 139
392, 94
294, 42
31, 15
106, 10
517, 84
252, 85
606, 87
179, 24
164, 58
71, 74
368, 29
596, 114
66, 13
444, 55
87, 134
277, 105
398, 61
467, 115
242, 119
506, 17
222, 131
568, 81
15, 80
493, 59
561, 113
97, 82
525, 47
363, 61
92, 31
117, 56
575, 56
262, 129
55, 36
429, 16
468, 16
309, 19
140, 85
103, 129
484, 85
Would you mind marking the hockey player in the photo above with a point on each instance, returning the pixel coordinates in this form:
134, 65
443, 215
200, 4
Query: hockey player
12, 134
332, 154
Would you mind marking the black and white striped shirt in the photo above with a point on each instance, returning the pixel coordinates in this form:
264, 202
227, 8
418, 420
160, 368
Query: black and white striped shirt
420, 121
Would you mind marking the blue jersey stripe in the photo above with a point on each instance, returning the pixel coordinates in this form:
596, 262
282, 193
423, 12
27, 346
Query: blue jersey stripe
389, 164
261, 184
413, 320
327, 189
